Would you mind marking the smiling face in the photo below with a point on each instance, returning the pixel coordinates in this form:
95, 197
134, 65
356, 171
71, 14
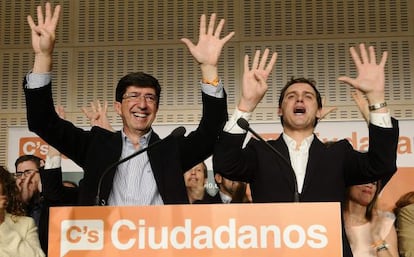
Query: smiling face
299, 107
196, 176
30, 171
139, 111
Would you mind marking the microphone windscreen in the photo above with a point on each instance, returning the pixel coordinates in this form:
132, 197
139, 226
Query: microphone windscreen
178, 132
243, 123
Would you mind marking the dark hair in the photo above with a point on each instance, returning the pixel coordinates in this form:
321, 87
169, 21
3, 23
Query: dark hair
292, 81
137, 79
14, 202
28, 157
371, 206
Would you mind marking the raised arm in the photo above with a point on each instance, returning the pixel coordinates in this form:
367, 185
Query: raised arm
209, 46
97, 115
371, 79
254, 80
362, 104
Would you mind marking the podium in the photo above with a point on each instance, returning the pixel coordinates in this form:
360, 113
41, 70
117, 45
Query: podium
225, 230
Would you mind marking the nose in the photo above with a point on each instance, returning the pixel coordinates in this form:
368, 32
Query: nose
141, 103
299, 98
370, 185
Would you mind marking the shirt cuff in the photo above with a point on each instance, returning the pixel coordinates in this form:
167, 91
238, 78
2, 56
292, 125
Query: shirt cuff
37, 80
231, 125
214, 91
381, 119
53, 162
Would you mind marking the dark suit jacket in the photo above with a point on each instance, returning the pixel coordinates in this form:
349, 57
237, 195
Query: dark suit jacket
329, 171
208, 199
53, 194
97, 149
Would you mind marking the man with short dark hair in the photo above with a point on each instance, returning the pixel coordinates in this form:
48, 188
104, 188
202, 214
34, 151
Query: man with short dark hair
306, 169
154, 177
28, 181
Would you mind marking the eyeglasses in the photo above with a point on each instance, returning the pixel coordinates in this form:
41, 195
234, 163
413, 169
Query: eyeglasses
136, 97
25, 173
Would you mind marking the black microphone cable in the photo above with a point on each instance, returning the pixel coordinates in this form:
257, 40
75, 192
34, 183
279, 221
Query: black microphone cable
244, 124
178, 132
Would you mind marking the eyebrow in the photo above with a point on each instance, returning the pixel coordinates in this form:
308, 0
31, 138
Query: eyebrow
297, 92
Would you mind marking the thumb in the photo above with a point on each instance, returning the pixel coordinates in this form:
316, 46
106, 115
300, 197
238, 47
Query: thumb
188, 43
348, 80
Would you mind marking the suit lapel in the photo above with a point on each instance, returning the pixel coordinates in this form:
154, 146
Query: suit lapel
115, 142
155, 159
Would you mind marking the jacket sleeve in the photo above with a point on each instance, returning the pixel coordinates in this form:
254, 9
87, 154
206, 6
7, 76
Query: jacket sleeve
43, 120
199, 144
380, 162
19, 239
232, 160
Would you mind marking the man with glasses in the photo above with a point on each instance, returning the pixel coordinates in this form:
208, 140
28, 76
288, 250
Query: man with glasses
28, 181
154, 177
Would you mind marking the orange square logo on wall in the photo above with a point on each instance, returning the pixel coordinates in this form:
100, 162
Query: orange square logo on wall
34, 146
213, 230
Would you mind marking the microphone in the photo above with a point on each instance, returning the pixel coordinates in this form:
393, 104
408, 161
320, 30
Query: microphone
178, 132
244, 124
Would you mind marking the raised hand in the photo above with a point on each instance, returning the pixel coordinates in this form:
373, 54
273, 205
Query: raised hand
209, 46
43, 36
326, 110
371, 79
27, 187
254, 80
97, 115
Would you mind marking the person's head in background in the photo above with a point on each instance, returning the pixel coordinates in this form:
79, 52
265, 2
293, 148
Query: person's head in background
9, 196
236, 190
363, 196
137, 98
300, 105
27, 168
195, 179
404, 200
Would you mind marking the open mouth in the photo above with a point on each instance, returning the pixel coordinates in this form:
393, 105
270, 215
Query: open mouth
299, 110
140, 115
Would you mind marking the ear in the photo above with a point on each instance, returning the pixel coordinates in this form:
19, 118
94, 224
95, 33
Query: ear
279, 111
319, 113
117, 107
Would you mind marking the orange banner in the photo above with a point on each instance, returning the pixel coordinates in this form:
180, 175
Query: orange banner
260, 230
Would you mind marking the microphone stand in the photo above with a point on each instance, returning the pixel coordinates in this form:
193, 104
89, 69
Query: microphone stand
244, 124
180, 131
